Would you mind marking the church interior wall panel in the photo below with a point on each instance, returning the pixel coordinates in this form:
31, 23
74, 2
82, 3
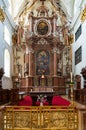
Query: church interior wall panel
59, 81
30, 81
59, 85
23, 82
49, 81
55, 81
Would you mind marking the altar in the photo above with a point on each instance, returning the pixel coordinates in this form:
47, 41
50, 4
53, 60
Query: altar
43, 91
35, 93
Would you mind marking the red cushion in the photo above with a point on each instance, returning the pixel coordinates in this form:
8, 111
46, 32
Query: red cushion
59, 101
27, 98
27, 101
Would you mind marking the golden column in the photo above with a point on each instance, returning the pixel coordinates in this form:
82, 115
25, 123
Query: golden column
71, 88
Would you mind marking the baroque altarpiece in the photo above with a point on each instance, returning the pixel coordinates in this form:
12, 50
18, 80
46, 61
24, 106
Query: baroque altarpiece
41, 47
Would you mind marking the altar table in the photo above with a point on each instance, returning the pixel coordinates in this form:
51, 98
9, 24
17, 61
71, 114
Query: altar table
34, 95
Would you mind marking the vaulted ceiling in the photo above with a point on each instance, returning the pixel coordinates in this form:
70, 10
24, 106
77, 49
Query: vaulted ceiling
68, 6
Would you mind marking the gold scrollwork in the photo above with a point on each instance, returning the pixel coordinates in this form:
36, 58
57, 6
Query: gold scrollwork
40, 118
14, 38
71, 38
2, 15
83, 15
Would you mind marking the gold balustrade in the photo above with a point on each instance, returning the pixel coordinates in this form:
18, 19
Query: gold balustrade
40, 118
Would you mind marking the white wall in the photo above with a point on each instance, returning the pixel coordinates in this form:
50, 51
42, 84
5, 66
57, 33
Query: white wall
81, 41
7, 81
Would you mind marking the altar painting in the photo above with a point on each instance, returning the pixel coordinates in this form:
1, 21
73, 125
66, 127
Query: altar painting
42, 62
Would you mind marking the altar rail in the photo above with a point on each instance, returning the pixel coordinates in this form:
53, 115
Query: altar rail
40, 118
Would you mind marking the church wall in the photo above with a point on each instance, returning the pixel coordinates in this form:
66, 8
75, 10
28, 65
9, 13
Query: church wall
1, 45
81, 41
7, 81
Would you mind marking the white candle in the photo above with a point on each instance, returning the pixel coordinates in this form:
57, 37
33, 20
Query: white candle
71, 76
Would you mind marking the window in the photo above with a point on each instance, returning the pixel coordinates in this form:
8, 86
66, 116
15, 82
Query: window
78, 32
78, 55
7, 63
7, 36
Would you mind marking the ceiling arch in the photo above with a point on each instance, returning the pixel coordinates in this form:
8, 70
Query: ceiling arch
69, 7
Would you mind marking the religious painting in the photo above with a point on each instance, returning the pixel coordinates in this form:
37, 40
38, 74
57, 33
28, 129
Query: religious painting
42, 62
78, 55
42, 28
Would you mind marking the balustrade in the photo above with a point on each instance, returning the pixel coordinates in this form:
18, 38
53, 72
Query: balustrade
40, 118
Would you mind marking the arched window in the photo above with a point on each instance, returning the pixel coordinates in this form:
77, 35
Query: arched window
7, 63
7, 36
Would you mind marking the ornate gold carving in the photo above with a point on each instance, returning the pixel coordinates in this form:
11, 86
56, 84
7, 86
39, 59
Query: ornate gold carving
71, 38
83, 15
2, 15
42, 117
14, 38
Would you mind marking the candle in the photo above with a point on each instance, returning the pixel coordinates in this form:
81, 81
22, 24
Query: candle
71, 76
